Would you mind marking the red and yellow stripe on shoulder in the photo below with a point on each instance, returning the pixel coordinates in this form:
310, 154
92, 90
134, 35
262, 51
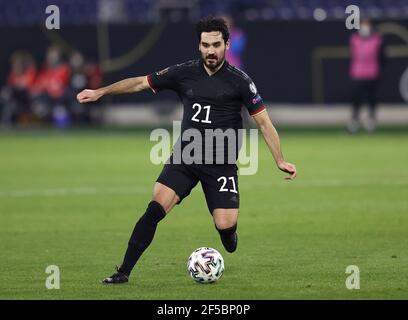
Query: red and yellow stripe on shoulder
257, 111
149, 81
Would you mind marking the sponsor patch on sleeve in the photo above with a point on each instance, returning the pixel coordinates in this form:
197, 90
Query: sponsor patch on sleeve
256, 99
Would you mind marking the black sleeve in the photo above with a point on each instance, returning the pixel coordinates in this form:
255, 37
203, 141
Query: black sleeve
251, 98
167, 78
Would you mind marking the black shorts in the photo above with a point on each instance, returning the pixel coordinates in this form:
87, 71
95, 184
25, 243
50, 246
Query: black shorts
218, 181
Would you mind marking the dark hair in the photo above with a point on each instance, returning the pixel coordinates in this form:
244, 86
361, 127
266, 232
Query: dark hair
211, 23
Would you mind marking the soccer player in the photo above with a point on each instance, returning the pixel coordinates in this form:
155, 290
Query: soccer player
212, 92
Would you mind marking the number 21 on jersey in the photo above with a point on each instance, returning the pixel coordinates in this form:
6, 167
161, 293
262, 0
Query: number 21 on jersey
199, 108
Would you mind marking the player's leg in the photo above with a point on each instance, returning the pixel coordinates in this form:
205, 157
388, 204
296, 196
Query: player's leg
354, 123
165, 196
220, 186
163, 200
372, 105
173, 184
358, 95
225, 221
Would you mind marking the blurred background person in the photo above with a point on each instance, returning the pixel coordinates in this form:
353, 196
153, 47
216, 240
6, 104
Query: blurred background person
367, 59
78, 81
83, 75
51, 88
235, 55
238, 41
15, 99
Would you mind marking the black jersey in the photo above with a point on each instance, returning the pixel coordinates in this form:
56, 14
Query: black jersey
210, 102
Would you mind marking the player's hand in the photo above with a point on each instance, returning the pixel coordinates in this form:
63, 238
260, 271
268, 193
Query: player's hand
88, 95
289, 168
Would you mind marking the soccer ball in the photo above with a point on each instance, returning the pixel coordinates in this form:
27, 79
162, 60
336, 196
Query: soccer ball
205, 265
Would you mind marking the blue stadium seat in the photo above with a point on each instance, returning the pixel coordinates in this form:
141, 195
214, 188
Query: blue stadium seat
76, 12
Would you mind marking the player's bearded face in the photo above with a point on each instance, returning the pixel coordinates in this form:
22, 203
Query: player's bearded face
212, 48
213, 60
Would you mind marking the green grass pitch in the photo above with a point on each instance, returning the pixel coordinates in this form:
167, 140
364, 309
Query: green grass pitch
72, 200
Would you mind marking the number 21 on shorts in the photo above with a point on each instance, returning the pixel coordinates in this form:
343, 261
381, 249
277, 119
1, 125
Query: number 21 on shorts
224, 181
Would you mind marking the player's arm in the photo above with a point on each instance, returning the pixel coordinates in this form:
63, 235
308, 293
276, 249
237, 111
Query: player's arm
130, 85
272, 140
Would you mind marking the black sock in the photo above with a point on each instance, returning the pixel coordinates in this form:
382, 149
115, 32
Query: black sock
229, 238
142, 235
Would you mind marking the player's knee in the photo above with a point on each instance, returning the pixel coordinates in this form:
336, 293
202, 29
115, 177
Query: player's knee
226, 228
167, 204
165, 196
222, 224
225, 218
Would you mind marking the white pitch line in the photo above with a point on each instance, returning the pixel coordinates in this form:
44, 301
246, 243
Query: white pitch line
83, 191
72, 191
329, 183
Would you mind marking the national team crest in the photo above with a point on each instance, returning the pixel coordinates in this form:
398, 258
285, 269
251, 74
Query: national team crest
252, 87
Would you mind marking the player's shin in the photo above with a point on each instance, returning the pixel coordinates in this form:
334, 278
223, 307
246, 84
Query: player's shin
142, 235
229, 238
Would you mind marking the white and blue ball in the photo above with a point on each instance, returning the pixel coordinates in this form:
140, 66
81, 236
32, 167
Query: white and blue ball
205, 265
